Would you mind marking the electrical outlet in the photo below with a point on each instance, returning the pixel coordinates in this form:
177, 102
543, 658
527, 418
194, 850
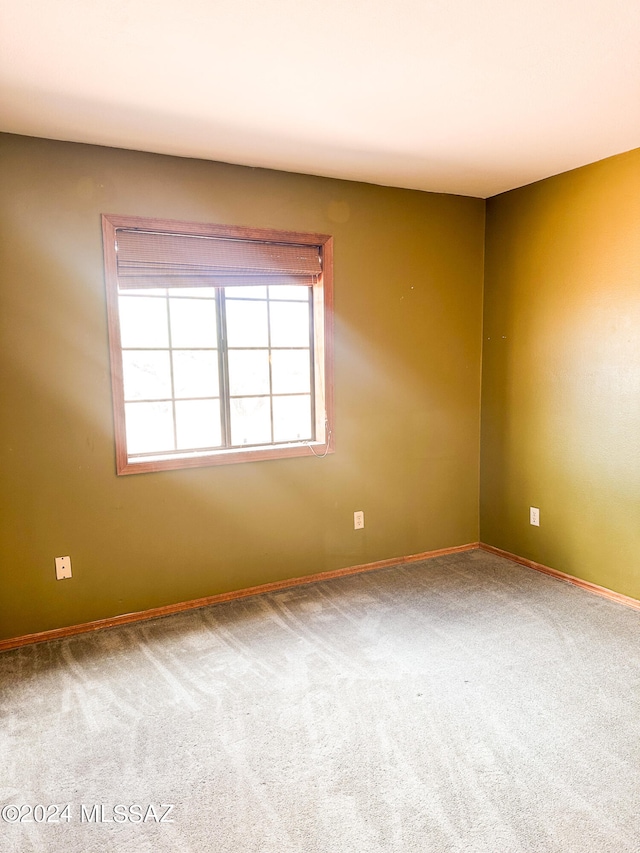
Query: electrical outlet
358, 520
534, 516
63, 568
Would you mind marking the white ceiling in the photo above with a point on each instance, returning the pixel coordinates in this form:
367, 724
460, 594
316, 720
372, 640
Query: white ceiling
460, 96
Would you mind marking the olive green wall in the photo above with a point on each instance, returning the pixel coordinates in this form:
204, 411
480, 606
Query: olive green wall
561, 373
408, 294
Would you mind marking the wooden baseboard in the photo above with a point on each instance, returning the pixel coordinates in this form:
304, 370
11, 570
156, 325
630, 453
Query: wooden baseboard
167, 609
554, 573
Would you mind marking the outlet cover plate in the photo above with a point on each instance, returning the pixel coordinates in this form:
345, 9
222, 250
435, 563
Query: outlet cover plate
63, 568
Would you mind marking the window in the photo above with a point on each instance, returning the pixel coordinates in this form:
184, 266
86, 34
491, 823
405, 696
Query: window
220, 343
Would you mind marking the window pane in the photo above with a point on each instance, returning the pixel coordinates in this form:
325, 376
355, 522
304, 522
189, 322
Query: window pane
250, 420
292, 418
289, 291
290, 371
195, 373
247, 324
248, 291
193, 292
248, 372
143, 321
149, 427
289, 324
193, 323
198, 424
147, 374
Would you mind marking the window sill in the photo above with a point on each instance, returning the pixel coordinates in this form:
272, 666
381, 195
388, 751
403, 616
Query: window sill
224, 457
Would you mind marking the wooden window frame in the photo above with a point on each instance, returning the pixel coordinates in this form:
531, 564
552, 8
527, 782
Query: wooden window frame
322, 336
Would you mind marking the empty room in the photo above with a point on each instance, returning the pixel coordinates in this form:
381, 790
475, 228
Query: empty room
320, 406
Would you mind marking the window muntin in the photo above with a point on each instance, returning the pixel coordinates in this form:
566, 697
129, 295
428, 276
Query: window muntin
209, 374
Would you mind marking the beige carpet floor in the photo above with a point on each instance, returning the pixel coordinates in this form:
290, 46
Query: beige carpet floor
460, 705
